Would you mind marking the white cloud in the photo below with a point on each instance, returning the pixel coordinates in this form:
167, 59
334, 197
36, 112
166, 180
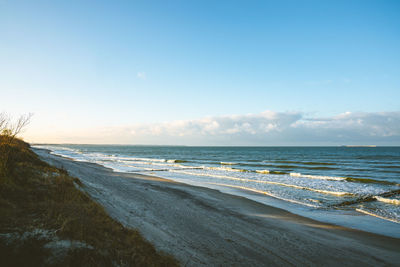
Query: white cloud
263, 129
141, 75
266, 128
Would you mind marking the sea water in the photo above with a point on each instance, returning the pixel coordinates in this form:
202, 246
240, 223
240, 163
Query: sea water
352, 186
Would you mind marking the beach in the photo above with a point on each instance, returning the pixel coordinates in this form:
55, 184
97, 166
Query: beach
201, 226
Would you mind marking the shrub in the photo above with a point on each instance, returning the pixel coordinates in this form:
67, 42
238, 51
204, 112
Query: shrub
39, 196
9, 144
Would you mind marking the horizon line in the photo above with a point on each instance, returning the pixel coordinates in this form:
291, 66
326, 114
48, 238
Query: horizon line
110, 144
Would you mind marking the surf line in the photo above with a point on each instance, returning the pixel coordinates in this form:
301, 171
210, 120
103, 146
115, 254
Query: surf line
265, 193
377, 216
267, 182
367, 199
388, 200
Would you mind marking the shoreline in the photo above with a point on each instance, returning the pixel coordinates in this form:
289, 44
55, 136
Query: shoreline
353, 218
203, 226
369, 222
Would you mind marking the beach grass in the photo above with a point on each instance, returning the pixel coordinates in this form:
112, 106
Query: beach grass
46, 220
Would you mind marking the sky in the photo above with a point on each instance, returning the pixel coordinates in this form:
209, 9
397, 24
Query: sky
203, 72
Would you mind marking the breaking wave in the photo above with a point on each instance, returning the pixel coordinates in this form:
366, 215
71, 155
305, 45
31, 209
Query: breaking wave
363, 182
296, 174
377, 215
336, 193
388, 200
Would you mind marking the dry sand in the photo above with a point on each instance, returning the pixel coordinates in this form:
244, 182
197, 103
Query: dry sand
201, 226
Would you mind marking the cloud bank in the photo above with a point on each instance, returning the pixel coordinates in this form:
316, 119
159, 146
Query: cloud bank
264, 129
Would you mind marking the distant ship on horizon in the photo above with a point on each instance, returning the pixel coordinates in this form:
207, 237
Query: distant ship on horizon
358, 145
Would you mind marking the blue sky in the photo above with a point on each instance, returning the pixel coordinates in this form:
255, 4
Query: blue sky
85, 65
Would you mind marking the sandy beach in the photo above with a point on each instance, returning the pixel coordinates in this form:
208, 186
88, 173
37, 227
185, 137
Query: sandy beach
201, 226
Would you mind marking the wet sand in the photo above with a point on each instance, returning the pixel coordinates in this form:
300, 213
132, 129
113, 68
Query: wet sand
202, 226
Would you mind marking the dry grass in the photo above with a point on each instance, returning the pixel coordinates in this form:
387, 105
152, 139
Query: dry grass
38, 196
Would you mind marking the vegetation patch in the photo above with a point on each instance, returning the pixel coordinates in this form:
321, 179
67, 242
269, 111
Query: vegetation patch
45, 220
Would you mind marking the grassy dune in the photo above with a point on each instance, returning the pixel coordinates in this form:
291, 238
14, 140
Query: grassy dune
45, 220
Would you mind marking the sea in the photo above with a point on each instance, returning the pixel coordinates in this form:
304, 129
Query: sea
357, 187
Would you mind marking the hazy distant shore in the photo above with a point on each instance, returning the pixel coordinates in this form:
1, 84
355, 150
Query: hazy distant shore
201, 226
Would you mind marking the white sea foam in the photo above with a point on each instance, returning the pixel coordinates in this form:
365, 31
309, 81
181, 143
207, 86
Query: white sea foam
303, 189
225, 169
264, 182
388, 200
262, 171
320, 177
266, 193
187, 167
141, 159
49, 147
376, 215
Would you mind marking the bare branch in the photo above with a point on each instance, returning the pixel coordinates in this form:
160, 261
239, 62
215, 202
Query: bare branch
4, 121
21, 123
9, 129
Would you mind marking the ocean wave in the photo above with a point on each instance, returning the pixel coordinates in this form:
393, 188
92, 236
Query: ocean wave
388, 166
304, 162
278, 172
176, 161
52, 148
388, 200
369, 181
292, 166
266, 193
263, 171
320, 177
188, 167
225, 169
141, 159
336, 193
378, 216
228, 163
